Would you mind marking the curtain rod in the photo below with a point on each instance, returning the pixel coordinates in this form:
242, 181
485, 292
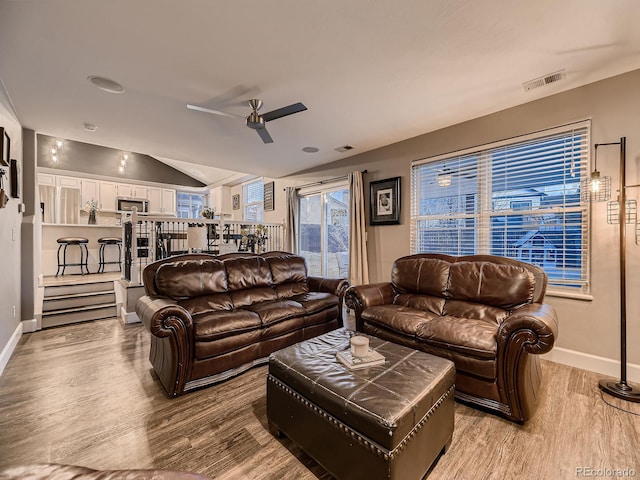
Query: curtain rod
330, 180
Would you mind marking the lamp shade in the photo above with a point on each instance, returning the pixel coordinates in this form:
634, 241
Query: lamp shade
197, 238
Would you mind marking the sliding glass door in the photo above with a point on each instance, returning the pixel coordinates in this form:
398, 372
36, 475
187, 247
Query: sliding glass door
324, 230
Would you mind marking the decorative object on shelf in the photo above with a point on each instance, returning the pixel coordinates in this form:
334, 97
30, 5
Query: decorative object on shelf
236, 201
208, 212
5, 147
15, 179
598, 188
91, 207
384, 198
269, 201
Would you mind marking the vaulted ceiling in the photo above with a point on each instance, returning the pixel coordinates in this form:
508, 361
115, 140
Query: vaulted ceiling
370, 72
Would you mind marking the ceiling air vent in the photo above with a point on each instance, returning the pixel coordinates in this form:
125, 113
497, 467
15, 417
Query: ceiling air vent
344, 148
546, 80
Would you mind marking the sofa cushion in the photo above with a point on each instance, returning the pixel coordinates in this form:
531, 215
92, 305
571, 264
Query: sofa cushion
290, 290
287, 269
503, 286
396, 317
420, 302
248, 296
465, 335
207, 303
276, 311
420, 275
210, 326
313, 302
459, 308
247, 272
191, 278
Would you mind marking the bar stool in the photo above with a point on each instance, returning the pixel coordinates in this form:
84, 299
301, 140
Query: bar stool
104, 241
84, 253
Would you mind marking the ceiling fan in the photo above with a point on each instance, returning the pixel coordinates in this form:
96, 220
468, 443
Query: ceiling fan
255, 120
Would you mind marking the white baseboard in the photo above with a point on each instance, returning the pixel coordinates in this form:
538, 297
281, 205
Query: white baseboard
8, 349
30, 326
129, 317
594, 363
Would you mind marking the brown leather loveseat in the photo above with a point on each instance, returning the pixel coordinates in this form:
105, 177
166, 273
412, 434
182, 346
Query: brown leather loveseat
213, 317
484, 313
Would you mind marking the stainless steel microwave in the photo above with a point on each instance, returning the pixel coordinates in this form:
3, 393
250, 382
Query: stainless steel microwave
127, 204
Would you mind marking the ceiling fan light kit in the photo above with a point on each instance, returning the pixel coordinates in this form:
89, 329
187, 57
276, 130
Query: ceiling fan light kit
255, 121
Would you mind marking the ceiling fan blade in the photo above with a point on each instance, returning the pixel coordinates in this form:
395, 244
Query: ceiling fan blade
215, 112
283, 112
264, 135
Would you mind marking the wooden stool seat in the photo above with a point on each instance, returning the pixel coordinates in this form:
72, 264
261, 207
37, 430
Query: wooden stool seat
81, 242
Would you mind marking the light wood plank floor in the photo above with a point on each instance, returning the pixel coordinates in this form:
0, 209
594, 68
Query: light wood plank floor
85, 394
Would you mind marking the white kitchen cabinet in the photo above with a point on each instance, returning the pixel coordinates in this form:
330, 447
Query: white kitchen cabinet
162, 201
139, 191
128, 190
90, 191
68, 182
46, 179
108, 195
123, 190
154, 194
168, 201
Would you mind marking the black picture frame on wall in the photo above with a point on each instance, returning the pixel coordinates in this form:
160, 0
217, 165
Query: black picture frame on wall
384, 201
5, 147
15, 178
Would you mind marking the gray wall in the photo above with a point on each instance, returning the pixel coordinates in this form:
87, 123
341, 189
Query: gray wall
96, 160
10, 236
587, 327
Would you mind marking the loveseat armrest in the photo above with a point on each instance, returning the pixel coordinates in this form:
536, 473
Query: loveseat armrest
360, 297
337, 286
535, 324
172, 344
527, 332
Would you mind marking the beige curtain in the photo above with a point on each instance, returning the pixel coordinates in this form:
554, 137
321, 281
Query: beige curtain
291, 221
358, 262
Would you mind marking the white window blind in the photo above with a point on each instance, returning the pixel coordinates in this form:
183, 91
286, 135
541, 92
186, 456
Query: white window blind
253, 201
517, 199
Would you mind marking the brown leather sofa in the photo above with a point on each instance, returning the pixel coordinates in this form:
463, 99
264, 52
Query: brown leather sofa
213, 317
484, 313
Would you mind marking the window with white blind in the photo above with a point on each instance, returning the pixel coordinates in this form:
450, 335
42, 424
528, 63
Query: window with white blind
518, 198
253, 201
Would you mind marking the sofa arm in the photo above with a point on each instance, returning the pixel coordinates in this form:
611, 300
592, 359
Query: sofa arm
535, 325
337, 286
172, 349
360, 297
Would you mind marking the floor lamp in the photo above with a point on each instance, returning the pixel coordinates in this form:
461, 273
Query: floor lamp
599, 189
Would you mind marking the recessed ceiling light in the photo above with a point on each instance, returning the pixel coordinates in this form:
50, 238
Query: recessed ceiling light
89, 127
106, 84
310, 149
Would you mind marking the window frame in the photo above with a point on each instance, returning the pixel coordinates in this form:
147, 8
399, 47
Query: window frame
205, 202
484, 210
247, 204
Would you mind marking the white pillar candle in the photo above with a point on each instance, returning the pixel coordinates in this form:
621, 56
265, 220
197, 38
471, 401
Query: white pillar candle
359, 346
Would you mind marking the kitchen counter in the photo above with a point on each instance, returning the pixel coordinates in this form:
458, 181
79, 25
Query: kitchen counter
52, 231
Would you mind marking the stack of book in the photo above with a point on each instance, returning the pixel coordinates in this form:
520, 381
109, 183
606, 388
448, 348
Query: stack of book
355, 363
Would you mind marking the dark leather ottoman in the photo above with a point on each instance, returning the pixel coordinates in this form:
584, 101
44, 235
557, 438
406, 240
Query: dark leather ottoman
383, 422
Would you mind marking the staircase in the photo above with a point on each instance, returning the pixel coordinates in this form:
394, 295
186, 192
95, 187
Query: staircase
71, 303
